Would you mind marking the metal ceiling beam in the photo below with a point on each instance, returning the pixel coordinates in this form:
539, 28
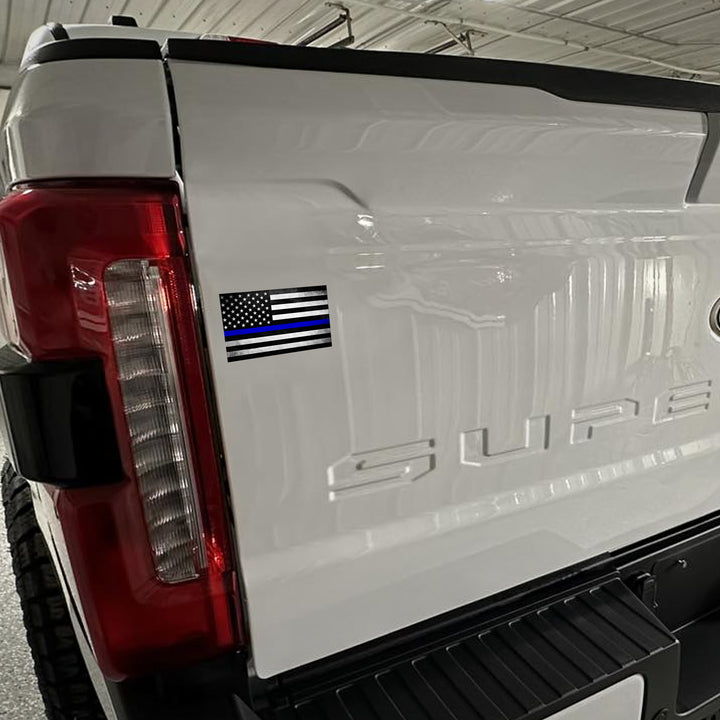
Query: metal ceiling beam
343, 18
525, 35
571, 17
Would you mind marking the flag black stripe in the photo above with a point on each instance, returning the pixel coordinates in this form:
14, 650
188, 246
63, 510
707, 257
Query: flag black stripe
281, 352
279, 306
270, 343
290, 315
312, 288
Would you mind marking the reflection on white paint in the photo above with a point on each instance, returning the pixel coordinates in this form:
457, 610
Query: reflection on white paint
515, 283
276, 566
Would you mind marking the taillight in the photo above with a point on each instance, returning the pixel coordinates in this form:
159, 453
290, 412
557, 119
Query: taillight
101, 272
235, 39
139, 308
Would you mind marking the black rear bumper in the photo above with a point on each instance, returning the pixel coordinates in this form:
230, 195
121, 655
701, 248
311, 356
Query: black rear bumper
652, 610
528, 665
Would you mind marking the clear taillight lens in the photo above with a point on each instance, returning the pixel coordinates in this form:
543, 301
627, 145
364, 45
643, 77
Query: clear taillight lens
139, 317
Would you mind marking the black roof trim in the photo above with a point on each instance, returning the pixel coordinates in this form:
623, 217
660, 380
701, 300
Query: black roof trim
94, 49
123, 21
57, 31
572, 83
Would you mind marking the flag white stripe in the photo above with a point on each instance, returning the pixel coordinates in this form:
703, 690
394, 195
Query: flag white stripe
288, 305
307, 313
291, 295
281, 336
276, 348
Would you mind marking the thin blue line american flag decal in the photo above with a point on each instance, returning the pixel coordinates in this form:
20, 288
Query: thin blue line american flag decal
273, 322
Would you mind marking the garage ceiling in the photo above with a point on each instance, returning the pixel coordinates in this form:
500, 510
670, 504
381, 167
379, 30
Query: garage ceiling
677, 38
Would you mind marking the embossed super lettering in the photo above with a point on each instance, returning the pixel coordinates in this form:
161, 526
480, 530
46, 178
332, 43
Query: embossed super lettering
365, 472
399, 465
682, 401
476, 448
588, 422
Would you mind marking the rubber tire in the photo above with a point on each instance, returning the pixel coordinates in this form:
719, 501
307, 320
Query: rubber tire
62, 676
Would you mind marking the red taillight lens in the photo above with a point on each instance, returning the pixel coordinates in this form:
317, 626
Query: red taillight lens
101, 271
235, 39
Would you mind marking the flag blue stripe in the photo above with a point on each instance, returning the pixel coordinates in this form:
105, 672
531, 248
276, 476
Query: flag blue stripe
281, 326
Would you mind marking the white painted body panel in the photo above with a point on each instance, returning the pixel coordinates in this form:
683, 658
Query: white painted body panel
105, 118
499, 261
622, 701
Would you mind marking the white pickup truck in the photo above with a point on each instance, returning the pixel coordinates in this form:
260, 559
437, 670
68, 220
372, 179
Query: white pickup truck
346, 385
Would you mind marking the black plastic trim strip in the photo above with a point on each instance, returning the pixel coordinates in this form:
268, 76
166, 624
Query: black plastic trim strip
675, 536
58, 421
94, 49
208, 690
707, 156
450, 625
58, 31
572, 83
529, 665
123, 21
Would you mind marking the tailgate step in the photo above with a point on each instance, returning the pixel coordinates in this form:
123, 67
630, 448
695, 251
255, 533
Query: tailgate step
529, 666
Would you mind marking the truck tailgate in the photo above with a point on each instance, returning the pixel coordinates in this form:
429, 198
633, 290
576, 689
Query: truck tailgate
458, 333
